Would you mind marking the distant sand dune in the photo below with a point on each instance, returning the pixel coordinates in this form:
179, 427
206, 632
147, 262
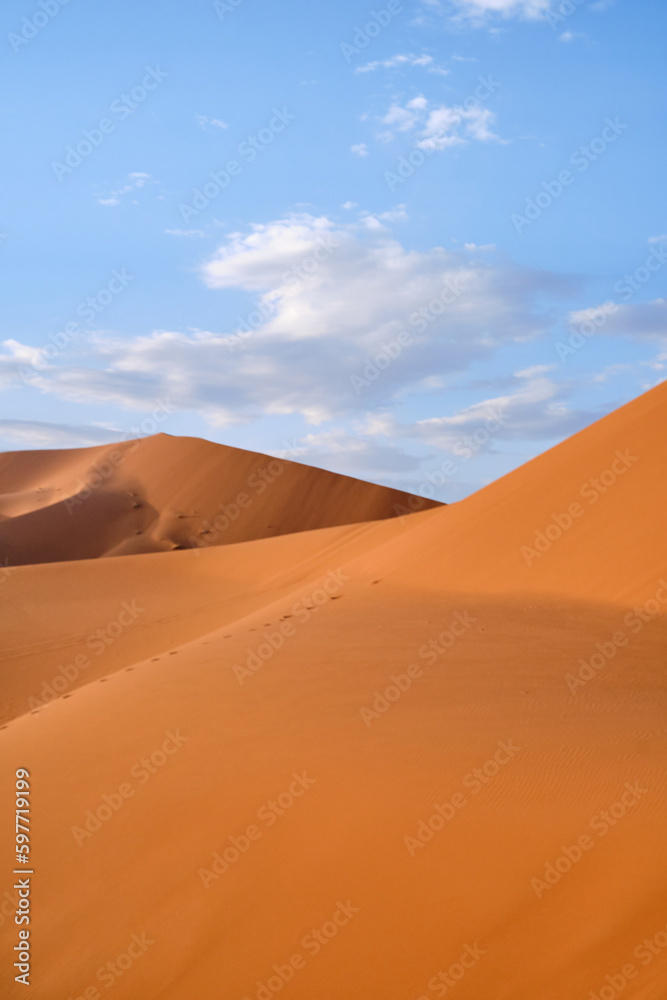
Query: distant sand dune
163, 493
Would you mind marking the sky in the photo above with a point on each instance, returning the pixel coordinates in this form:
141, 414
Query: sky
418, 243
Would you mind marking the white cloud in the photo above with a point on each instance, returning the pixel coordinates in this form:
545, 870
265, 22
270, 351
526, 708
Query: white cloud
360, 149
477, 10
353, 454
185, 232
381, 448
41, 434
214, 123
657, 239
452, 126
403, 60
19, 360
644, 320
133, 182
535, 410
440, 127
406, 118
328, 299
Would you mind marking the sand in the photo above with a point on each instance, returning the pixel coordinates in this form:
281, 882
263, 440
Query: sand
395, 758
163, 493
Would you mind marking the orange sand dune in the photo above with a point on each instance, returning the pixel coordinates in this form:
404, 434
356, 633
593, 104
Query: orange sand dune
163, 493
398, 760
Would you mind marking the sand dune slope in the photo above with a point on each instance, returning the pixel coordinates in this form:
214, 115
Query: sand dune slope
584, 520
163, 493
396, 760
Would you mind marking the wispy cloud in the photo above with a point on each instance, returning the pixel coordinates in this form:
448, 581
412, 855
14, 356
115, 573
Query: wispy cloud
185, 232
42, 434
210, 123
478, 10
133, 182
402, 61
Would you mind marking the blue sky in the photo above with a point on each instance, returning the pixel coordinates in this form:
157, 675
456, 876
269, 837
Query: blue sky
392, 241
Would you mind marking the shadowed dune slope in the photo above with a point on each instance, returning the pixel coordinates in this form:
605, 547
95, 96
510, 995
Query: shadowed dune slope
423, 761
163, 493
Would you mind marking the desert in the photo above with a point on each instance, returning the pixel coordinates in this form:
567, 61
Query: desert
383, 758
333, 468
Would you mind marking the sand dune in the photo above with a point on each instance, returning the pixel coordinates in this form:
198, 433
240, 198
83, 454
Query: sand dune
408, 758
163, 493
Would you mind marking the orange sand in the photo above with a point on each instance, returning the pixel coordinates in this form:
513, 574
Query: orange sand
427, 671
